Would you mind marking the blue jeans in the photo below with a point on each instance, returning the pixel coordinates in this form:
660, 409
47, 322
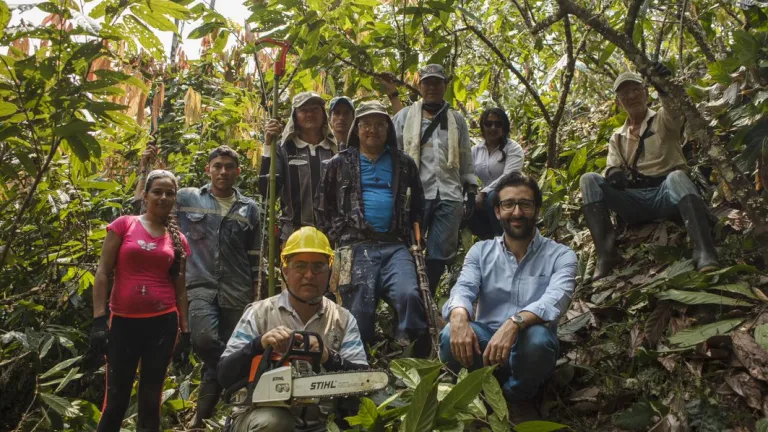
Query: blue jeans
211, 326
639, 205
441, 225
384, 271
484, 223
531, 360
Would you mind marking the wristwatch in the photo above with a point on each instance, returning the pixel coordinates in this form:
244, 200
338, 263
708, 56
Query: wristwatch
518, 319
394, 94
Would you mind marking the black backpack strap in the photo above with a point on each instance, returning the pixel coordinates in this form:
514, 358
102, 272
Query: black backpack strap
432, 126
641, 145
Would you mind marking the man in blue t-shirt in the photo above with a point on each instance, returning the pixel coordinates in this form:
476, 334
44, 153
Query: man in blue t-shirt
370, 197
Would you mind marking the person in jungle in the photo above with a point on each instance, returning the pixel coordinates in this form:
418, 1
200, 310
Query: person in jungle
222, 226
437, 138
521, 282
306, 144
341, 115
306, 268
494, 156
370, 197
645, 170
148, 308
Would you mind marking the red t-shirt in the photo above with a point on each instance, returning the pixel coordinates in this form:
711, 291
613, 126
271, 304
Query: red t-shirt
143, 285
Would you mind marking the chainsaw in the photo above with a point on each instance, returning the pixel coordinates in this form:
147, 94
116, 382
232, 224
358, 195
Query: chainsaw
273, 379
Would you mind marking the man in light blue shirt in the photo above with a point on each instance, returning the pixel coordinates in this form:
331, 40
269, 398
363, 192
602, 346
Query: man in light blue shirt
522, 283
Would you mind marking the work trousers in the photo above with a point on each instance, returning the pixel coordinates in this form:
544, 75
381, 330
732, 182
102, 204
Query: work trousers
531, 361
133, 341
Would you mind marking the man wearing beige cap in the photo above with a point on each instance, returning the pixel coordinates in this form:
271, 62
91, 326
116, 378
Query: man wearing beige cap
370, 198
646, 177
437, 138
304, 147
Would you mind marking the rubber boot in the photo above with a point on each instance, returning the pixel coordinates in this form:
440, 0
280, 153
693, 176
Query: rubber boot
694, 213
208, 396
603, 235
435, 269
422, 346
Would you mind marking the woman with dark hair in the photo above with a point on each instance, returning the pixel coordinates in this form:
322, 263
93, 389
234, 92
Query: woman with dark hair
148, 304
496, 155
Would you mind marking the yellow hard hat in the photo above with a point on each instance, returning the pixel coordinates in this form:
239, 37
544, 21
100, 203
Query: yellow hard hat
307, 239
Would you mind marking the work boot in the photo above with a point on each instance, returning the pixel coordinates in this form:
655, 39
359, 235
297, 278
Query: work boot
207, 397
603, 235
694, 213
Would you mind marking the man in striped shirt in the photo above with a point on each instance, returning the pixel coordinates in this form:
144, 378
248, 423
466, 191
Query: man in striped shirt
306, 258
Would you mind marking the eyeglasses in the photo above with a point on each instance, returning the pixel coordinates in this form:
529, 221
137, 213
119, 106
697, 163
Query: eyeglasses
317, 267
380, 127
492, 124
525, 205
627, 93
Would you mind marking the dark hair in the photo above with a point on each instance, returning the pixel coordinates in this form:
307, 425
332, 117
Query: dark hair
517, 179
171, 223
224, 151
506, 126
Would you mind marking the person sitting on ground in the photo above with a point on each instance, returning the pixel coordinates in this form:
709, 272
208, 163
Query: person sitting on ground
148, 304
496, 155
365, 207
306, 260
645, 170
304, 147
522, 283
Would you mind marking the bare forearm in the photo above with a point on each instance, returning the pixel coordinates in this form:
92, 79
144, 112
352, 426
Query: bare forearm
100, 288
182, 304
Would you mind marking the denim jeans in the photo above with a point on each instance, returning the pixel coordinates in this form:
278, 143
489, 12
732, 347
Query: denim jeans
442, 219
211, 326
384, 271
638, 205
531, 360
484, 223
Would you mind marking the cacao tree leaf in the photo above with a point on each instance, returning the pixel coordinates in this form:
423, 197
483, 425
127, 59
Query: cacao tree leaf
539, 426
692, 336
463, 393
62, 406
694, 297
423, 407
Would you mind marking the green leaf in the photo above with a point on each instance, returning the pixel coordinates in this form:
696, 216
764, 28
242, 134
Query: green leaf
539, 426
166, 7
59, 367
153, 19
693, 297
203, 30
606, 54
761, 335
638, 416
696, 335
70, 376
439, 55
62, 406
366, 416
423, 407
762, 425
495, 398
463, 393
577, 163
118, 76
146, 37
737, 288
5, 17
7, 108
75, 126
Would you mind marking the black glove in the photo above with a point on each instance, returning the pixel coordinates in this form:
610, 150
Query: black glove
617, 178
662, 70
182, 350
469, 205
97, 340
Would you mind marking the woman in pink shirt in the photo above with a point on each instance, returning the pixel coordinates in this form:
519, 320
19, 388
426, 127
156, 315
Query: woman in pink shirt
148, 304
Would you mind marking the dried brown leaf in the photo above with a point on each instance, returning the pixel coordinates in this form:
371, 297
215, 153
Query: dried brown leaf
746, 387
751, 354
657, 322
636, 338
586, 394
669, 362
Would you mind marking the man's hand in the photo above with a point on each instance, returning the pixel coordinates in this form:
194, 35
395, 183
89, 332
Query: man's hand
464, 342
662, 70
480, 200
273, 129
497, 350
617, 178
314, 345
387, 83
278, 339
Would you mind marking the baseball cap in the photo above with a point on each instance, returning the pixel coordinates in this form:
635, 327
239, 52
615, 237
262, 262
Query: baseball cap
432, 70
371, 107
341, 99
304, 97
627, 77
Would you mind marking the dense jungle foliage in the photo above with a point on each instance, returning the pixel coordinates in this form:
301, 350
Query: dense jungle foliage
656, 346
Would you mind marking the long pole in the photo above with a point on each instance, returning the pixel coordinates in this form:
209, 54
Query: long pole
271, 194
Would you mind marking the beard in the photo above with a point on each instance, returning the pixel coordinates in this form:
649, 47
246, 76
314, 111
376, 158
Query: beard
524, 231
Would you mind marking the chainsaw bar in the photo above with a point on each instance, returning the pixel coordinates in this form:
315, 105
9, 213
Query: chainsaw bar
339, 384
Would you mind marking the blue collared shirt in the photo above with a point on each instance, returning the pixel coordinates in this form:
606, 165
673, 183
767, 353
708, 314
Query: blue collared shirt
376, 179
541, 283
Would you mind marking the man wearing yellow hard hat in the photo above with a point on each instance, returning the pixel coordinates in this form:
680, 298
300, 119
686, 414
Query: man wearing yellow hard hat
306, 262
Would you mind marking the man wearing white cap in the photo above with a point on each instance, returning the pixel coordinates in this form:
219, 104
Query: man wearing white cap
646, 177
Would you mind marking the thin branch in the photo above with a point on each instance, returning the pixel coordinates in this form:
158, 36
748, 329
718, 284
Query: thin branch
697, 31
660, 40
375, 74
632, 14
682, 4
515, 71
14, 298
524, 14
547, 22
